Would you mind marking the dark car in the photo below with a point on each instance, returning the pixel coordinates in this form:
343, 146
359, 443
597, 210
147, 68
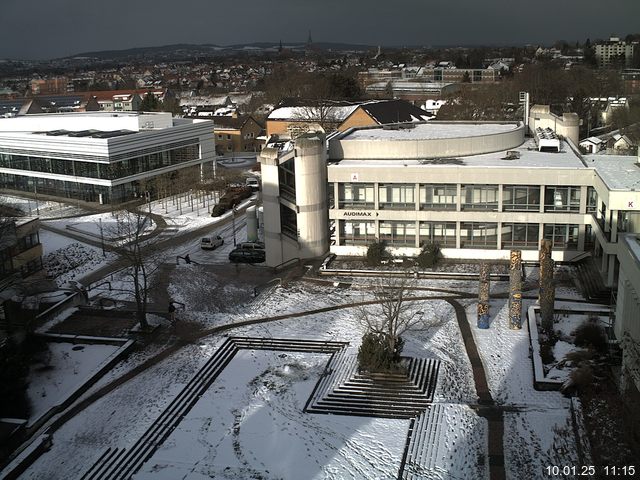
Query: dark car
251, 246
247, 256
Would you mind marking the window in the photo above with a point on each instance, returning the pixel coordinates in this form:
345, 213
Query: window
355, 195
398, 233
520, 235
480, 197
562, 199
478, 235
288, 222
563, 237
287, 180
442, 233
357, 233
220, 136
438, 197
228, 136
396, 197
521, 198
589, 237
592, 200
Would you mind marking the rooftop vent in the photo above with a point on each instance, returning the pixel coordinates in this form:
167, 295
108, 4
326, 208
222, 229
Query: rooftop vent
511, 155
546, 139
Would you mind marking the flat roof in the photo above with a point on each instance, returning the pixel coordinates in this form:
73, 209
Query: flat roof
430, 131
618, 172
527, 153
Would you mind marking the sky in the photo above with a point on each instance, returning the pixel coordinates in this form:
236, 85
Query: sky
41, 29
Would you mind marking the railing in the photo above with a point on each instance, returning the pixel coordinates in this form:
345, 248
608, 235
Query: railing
286, 264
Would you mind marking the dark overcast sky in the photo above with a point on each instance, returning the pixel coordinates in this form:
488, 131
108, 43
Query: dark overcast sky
39, 29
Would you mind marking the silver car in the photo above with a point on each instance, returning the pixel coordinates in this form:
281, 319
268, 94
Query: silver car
211, 243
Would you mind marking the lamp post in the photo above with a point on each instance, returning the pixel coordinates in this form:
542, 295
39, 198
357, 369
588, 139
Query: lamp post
102, 237
35, 190
233, 224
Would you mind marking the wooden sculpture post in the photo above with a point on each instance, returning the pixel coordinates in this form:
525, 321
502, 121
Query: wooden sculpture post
515, 290
483, 297
547, 288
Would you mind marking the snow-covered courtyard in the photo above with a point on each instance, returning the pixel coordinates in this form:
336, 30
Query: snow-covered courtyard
251, 419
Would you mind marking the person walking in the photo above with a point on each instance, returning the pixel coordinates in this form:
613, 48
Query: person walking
172, 313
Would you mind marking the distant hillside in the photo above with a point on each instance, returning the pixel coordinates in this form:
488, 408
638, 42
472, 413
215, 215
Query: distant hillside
210, 49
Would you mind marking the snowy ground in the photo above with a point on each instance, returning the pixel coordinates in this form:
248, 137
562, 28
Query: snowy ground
337, 446
66, 259
62, 371
184, 215
250, 424
540, 434
40, 208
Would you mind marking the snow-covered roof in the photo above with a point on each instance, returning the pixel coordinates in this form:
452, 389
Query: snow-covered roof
528, 157
619, 172
429, 131
594, 140
334, 114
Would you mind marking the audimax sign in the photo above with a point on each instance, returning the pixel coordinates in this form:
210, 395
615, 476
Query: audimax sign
359, 214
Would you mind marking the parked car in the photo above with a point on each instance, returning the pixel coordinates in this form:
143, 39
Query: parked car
253, 183
247, 256
211, 243
251, 246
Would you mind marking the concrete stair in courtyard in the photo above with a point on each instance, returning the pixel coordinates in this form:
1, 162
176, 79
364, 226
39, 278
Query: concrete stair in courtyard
345, 391
122, 463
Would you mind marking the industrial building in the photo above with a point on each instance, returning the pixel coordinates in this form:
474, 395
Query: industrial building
102, 157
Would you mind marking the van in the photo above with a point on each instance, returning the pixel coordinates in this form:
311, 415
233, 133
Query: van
211, 243
253, 183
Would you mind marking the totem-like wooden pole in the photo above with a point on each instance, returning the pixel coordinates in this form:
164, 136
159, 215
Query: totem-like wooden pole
483, 297
547, 294
515, 290
545, 252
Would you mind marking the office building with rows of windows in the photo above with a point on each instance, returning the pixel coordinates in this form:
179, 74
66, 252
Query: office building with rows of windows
103, 157
477, 189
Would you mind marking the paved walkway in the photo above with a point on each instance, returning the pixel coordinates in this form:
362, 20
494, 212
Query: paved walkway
487, 408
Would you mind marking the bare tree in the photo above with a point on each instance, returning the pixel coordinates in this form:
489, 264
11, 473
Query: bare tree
137, 254
394, 314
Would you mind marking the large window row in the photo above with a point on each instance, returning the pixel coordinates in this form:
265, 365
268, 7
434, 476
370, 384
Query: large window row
516, 198
105, 171
472, 234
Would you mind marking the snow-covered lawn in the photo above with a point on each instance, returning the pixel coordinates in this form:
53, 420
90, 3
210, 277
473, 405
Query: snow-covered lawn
251, 424
63, 371
66, 259
541, 434
185, 215
40, 208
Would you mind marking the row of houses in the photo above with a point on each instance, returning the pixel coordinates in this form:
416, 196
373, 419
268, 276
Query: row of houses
94, 101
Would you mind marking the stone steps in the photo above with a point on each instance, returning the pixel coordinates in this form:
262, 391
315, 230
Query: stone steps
345, 391
121, 464
423, 447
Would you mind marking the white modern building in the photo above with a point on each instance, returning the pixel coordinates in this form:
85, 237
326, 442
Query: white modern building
479, 189
100, 157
